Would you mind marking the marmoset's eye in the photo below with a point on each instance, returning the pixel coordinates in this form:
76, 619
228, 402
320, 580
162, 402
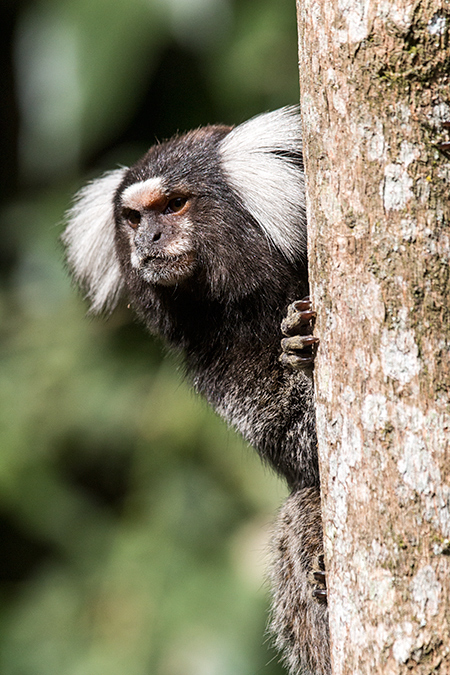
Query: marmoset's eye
176, 205
132, 216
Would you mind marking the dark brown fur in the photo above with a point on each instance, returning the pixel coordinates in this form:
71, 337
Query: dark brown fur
220, 303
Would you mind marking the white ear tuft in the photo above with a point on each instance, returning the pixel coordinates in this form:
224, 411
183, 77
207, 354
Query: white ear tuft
258, 159
89, 240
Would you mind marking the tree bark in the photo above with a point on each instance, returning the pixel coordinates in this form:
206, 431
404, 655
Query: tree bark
374, 79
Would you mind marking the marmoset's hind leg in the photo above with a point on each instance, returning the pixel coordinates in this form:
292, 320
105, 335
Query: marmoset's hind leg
299, 614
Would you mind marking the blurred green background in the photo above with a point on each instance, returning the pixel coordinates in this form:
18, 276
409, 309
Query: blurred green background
133, 523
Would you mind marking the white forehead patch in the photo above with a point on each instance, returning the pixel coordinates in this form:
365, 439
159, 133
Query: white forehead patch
145, 192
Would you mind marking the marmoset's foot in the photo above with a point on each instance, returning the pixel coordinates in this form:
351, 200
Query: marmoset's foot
320, 581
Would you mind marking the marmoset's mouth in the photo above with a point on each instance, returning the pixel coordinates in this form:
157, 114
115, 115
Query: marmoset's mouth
167, 270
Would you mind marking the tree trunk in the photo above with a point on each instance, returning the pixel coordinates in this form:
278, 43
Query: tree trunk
374, 91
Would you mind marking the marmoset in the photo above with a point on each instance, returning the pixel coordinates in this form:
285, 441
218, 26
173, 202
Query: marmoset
206, 237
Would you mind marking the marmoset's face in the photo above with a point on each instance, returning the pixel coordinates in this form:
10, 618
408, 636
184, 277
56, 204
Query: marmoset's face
157, 224
166, 204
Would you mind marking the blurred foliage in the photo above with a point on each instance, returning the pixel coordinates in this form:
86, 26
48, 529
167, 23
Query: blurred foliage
133, 524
